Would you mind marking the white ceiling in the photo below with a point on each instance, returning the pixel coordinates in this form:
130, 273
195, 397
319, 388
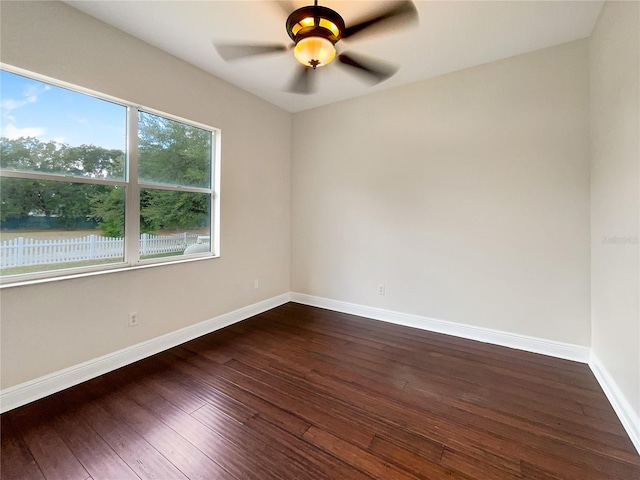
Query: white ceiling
451, 35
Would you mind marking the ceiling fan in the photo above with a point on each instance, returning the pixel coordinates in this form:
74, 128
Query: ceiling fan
315, 31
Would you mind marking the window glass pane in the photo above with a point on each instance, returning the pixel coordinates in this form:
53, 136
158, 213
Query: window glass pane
48, 223
50, 129
173, 153
56, 225
174, 223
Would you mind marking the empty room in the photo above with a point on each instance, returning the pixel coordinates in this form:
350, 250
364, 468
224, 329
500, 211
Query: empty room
320, 240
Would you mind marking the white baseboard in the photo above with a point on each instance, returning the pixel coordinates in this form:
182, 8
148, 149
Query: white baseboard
30, 391
521, 342
628, 417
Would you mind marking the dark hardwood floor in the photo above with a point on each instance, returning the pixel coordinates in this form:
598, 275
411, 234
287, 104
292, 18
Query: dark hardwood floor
304, 393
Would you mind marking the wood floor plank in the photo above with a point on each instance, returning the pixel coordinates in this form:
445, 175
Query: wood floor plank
531, 446
198, 371
273, 457
470, 466
414, 463
473, 386
99, 459
140, 456
316, 409
317, 459
533, 472
353, 455
16, 461
174, 388
234, 458
304, 393
183, 455
352, 417
350, 414
576, 424
52, 454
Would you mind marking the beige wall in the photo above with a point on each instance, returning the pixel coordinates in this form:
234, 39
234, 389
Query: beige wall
51, 326
615, 194
466, 195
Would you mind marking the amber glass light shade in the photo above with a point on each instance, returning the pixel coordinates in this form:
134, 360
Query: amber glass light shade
314, 51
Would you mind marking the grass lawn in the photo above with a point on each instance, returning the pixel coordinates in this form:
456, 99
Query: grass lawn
46, 234
56, 266
66, 234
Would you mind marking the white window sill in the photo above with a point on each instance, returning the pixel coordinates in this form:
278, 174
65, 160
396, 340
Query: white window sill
127, 268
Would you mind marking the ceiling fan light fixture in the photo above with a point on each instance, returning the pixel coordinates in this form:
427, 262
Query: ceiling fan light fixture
314, 51
315, 31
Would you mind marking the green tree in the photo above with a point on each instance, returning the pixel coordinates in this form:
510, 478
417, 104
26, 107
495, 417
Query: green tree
107, 208
173, 153
69, 203
170, 152
33, 155
167, 210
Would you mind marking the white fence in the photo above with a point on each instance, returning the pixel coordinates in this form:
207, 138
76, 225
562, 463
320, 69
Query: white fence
22, 252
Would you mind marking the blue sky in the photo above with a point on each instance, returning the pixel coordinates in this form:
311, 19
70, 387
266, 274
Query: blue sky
29, 108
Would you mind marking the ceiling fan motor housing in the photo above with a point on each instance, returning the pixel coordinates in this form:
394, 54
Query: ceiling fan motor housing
316, 21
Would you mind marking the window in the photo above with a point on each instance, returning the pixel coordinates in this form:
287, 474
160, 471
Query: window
89, 183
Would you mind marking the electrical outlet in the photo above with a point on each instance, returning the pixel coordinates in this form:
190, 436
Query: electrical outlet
381, 289
256, 284
133, 319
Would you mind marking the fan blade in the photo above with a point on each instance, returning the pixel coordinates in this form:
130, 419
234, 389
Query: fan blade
374, 70
231, 51
401, 13
303, 83
285, 6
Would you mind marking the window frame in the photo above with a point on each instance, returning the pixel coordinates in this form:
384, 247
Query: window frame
132, 188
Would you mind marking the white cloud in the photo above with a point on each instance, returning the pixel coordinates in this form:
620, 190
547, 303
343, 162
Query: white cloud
34, 91
9, 104
12, 132
30, 94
